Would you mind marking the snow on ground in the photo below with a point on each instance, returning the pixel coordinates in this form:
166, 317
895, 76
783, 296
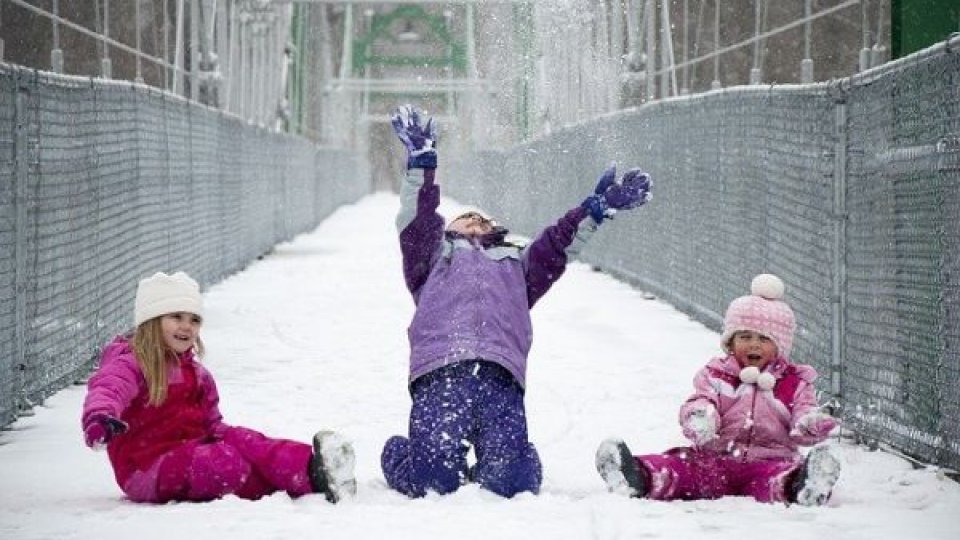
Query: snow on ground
313, 336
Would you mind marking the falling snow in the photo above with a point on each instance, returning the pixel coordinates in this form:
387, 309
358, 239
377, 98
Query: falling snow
314, 336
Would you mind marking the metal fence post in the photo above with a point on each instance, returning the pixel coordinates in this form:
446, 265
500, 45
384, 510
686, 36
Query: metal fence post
56, 53
839, 297
106, 66
21, 158
1, 39
759, 25
865, 33
136, 10
806, 65
715, 84
194, 53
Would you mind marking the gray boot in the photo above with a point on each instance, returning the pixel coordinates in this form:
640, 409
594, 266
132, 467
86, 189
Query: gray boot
814, 481
619, 469
331, 467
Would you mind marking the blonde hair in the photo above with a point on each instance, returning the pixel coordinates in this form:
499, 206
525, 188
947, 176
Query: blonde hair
155, 357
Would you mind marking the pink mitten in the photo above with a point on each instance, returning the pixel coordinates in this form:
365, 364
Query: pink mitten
700, 426
100, 430
816, 423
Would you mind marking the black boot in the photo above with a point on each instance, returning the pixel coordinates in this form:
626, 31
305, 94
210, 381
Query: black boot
619, 469
331, 466
813, 482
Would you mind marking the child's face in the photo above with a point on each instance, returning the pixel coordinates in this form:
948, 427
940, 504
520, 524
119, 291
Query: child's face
752, 349
471, 224
180, 330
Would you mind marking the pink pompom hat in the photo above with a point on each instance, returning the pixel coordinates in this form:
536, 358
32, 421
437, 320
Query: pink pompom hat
762, 311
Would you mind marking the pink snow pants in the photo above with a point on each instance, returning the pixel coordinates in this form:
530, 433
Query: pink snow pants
688, 474
243, 462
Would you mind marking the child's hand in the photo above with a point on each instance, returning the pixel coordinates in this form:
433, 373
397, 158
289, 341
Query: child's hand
701, 425
815, 424
419, 140
101, 429
610, 196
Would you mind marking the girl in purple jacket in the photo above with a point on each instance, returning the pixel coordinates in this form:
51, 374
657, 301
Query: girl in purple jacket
471, 331
749, 413
155, 408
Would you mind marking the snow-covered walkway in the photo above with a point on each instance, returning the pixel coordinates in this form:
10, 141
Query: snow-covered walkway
313, 336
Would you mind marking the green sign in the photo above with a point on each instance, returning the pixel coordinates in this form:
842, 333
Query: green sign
918, 24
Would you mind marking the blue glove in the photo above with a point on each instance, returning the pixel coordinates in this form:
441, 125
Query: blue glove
609, 196
418, 139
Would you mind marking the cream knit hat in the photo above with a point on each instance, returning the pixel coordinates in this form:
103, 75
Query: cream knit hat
764, 312
160, 294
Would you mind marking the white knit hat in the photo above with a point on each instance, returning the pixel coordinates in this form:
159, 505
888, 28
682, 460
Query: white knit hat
160, 294
764, 312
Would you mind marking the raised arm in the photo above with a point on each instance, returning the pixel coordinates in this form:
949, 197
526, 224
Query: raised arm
545, 259
419, 225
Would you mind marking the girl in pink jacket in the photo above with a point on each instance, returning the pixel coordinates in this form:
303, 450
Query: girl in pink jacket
155, 408
749, 414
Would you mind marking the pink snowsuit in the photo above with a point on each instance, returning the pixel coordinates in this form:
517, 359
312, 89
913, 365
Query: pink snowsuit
756, 448
181, 450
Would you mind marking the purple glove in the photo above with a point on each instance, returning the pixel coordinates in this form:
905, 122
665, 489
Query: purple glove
609, 196
418, 139
100, 430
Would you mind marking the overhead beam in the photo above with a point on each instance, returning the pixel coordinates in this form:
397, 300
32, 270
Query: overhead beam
441, 119
451, 2
410, 85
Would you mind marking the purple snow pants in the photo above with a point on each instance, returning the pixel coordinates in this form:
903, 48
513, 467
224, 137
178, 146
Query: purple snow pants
688, 474
243, 462
474, 403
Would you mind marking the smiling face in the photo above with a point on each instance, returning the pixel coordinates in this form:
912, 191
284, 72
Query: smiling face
752, 349
471, 224
180, 330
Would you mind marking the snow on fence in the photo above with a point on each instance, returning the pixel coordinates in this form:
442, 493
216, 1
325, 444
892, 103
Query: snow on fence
102, 183
849, 190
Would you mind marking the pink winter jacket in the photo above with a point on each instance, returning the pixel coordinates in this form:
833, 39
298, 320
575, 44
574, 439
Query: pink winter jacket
754, 423
118, 389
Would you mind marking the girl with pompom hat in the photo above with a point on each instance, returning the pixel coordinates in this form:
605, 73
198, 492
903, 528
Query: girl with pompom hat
751, 411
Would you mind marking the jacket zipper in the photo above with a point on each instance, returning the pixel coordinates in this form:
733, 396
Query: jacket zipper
753, 424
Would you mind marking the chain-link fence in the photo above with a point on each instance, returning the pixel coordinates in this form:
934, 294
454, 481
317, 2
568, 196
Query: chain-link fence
850, 191
104, 183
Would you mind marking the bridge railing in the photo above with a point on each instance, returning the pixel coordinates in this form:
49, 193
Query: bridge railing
849, 190
102, 183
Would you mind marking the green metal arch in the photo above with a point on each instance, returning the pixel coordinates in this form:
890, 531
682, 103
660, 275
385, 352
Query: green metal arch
456, 58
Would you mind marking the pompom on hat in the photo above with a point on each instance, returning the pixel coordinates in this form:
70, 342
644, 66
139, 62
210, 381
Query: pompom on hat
752, 375
762, 311
161, 294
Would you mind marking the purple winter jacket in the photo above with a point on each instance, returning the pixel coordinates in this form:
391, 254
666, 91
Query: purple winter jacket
473, 296
754, 423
